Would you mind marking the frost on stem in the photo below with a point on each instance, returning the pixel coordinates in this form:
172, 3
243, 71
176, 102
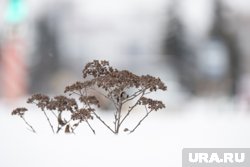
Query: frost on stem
118, 86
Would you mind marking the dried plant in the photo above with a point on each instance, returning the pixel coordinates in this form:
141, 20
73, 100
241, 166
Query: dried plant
20, 112
119, 87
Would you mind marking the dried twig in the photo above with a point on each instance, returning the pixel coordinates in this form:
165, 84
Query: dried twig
31, 128
139, 123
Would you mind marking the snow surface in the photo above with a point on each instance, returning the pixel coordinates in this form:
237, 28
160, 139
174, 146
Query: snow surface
158, 142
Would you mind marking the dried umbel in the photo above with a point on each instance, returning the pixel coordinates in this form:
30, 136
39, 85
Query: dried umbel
20, 112
119, 87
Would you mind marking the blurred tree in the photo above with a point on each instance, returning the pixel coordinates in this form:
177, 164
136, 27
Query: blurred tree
220, 32
178, 51
46, 54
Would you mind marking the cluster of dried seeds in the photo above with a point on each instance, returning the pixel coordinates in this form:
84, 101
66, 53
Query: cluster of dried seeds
19, 111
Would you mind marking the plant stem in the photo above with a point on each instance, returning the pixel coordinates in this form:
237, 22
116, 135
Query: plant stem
118, 118
133, 96
99, 118
32, 129
140, 121
60, 127
90, 126
131, 108
51, 126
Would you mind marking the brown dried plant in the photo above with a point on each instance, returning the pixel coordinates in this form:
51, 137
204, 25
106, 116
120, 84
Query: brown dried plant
119, 87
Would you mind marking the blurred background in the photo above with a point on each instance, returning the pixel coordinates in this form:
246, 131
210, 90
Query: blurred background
200, 49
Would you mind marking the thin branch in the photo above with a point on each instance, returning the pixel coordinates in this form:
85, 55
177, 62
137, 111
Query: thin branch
60, 127
98, 117
76, 93
81, 93
115, 122
140, 121
54, 113
136, 94
46, 117
114, 102
31, 128
118, 118
131, 108
147, 93
74, 127
51, 126
90, 126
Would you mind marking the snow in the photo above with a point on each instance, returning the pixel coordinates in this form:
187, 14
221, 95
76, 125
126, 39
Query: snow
158, 141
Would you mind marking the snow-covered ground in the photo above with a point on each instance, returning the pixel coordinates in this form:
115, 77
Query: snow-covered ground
158, 142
